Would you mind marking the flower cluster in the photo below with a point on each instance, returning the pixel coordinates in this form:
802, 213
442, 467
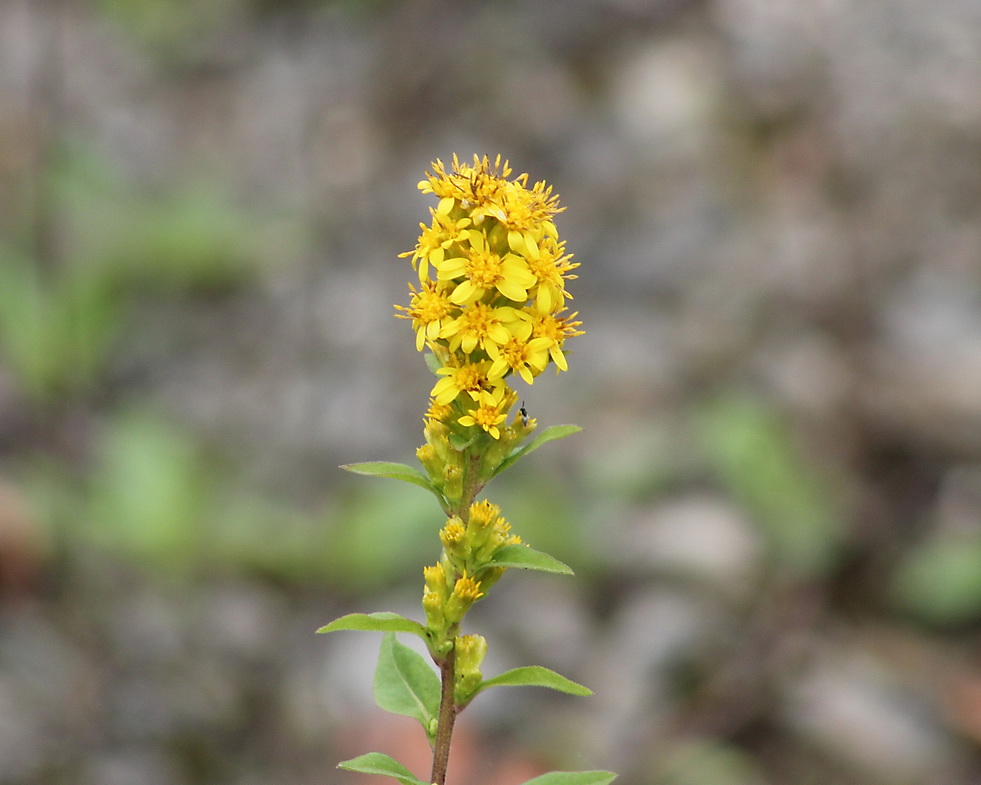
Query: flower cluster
490, 304
463, 574
491, 300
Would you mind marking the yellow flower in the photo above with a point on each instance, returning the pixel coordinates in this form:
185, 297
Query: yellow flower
467, 589
438, 412
435, 239
554, 329
430, 310
481, 269
452, 536
526, 358
469, 377
477, 325
551, 270
490, 411
484, 514
473, 184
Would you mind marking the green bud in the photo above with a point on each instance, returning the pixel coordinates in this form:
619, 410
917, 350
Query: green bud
470, 653
431, 463
466, 591
480, 528
432, 604
454, 538
490, 576
452, 482
437, 437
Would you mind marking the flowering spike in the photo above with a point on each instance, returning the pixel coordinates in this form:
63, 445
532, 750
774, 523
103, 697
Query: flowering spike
493, 277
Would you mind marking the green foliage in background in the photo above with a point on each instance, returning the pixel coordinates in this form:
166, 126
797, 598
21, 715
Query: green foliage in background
383, 528
60, 319
158, 499
751, 450
940, 580
56, 332
708, 762
187, 237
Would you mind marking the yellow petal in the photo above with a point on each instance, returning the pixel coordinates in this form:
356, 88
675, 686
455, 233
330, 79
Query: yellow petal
498, 368
512, 290
465, 292
498, 333
531, 247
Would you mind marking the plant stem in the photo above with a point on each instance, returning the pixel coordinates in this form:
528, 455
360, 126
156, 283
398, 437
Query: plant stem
447, 666
447, 716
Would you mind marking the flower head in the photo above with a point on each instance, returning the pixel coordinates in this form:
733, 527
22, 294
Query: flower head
493, 276
429, 309
470, 378
489, 410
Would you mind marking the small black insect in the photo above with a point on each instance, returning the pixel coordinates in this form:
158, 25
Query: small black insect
524, 414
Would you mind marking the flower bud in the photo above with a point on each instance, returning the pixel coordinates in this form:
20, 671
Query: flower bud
470, 653
483, 519
491, 575
432, 604
452, 481
431, 463
434, 597
453, 536
466, 591
438, 437
435, 577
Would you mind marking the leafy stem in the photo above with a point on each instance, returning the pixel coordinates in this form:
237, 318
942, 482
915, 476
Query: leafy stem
448, 708
447, 717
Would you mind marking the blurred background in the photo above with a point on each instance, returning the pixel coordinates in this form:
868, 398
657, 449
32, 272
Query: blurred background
774, 511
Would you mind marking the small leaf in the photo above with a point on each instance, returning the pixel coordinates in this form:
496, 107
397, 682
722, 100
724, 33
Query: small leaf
378, 763
535, 676
461, 443
525, 558
573, 778
397, 471
432, 362
405, 683
550, 434
382, 621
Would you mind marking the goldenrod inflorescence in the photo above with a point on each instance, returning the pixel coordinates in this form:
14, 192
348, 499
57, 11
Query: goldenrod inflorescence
490, 304
491, 296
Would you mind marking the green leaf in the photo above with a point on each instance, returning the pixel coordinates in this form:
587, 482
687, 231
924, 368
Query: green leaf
382, 621
432, 362
405, 683
378, 763
535, 676
550, 434
525, 558
573, 778
396, 471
